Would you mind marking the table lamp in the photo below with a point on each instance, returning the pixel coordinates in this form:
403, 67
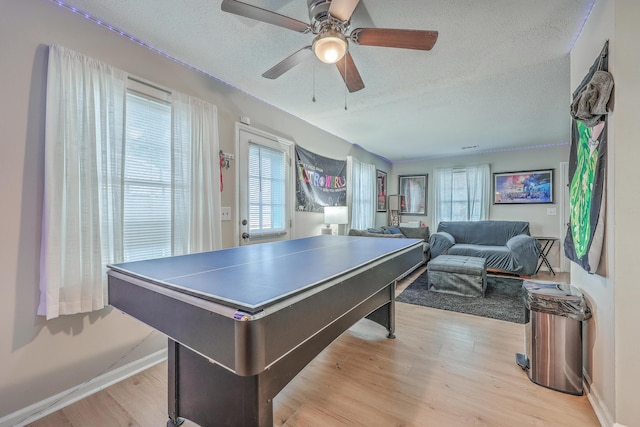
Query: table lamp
335, 215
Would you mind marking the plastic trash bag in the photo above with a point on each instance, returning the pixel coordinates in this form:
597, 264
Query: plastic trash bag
560, 299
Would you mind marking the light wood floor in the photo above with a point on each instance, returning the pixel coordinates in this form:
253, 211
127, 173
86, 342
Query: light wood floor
444, 369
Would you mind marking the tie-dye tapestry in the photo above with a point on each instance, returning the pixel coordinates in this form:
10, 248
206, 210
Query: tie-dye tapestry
320, 182
587, 172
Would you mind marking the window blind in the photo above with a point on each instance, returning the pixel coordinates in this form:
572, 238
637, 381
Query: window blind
147, 179
267, 184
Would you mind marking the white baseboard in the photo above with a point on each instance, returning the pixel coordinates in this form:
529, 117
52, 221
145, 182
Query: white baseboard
52, 404
602, 412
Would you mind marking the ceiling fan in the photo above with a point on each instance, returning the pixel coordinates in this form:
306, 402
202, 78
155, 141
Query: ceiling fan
330, 22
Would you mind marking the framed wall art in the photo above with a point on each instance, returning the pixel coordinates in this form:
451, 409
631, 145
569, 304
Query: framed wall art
510, 188
381, 181
413, 188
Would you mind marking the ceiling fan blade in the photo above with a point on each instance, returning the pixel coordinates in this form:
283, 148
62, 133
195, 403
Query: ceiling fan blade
342, 9
259, 14
386, 37
288, 63
350, 73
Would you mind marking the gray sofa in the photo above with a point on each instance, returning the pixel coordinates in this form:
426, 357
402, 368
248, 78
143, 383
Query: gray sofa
398, 232
507, 246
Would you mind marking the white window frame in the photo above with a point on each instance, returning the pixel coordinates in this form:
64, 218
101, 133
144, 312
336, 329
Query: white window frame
291, 178
483, 197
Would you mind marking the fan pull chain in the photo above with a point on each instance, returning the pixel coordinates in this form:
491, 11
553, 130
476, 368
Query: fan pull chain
314, 82
345, 82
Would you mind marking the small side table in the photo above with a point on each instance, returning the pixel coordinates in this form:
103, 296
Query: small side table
547, 244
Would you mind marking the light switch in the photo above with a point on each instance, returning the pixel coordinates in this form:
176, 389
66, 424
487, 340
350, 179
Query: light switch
551, 211
225, 213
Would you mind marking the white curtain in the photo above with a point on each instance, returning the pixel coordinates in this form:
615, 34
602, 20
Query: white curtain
197, 184
82, 208
361, 193
462, 194
82, 225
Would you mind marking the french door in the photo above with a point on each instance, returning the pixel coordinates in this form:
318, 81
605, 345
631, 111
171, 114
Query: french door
265, 181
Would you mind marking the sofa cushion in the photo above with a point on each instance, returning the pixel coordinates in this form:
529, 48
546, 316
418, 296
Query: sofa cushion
400, 236
492, 233
394, 230
376, 231
482, 251
415, 232
365, 233
498, 257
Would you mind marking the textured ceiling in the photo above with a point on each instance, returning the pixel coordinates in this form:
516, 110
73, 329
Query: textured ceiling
497, 78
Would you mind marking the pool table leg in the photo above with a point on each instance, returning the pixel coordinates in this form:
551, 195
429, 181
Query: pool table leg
202, 391
385, 315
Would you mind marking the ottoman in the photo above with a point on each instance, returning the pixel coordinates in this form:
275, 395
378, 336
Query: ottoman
456, 274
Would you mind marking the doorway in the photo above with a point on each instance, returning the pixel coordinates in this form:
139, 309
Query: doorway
265, 180
564, 214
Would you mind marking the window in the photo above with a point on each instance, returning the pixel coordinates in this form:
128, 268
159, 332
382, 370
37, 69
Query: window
361, 182
267, 190
128, 175
462, 194
147, 190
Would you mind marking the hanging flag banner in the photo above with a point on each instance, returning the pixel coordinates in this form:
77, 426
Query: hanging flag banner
320, 181
587, 166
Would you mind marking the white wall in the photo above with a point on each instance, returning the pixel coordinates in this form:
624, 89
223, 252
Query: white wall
599, 331
38, 358
540, 223
625, 68
612, 345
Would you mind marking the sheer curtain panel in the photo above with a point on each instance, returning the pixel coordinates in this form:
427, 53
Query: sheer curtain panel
82, 208
361, 193
462, 194
103, 168
196, 175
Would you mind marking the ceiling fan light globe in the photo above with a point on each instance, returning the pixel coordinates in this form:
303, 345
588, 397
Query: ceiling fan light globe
330, 47
331, 55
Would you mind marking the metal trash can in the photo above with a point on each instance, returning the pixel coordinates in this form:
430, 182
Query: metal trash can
553, 335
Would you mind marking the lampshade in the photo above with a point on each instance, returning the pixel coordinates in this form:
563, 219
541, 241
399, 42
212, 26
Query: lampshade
330, 47
336, 215
394, 202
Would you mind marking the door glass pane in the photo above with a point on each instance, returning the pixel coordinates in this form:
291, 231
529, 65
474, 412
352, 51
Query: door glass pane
267, 185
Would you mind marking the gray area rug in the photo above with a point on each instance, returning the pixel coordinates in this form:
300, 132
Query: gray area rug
503, 299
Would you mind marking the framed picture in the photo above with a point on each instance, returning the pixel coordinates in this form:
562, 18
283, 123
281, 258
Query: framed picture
413, 188
510, 188
381, 180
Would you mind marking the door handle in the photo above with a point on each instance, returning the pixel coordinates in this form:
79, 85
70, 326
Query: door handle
245, 235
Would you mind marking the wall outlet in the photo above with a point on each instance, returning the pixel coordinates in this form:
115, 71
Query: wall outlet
551, 211
225, 213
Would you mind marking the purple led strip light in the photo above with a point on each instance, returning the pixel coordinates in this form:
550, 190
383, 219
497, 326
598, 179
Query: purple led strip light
142, 43
496, 150
584, 21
